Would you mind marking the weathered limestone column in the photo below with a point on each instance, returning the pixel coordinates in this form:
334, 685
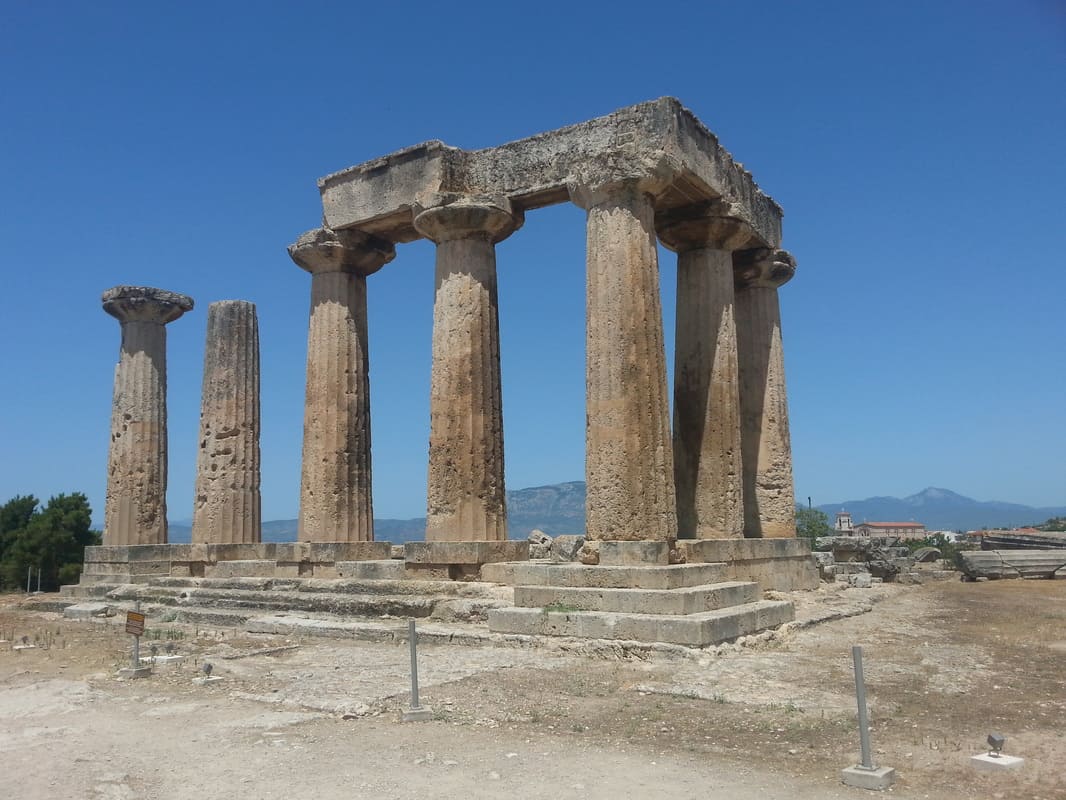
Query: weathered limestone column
135, 508
335, 487
465, 491
769, 497
707, 450
628, 454
227, 505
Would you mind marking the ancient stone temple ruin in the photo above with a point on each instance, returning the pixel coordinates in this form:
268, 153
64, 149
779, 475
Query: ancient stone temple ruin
687, 520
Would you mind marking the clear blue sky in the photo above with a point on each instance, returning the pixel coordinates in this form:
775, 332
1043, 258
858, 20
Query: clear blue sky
916, 147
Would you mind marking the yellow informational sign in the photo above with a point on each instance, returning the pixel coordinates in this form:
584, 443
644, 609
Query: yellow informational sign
135, 623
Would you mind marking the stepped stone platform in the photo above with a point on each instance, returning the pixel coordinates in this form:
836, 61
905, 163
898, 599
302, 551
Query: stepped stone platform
779, 565
115, 565
687, 604
634, 594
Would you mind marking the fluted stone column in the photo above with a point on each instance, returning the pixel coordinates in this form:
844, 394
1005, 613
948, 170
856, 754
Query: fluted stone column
335, 488
628, 454
769, 497
465, 490
135, 509
227, 505
707, 450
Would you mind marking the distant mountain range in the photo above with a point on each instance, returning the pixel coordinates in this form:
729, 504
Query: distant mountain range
555, 509
560, 508
942, 509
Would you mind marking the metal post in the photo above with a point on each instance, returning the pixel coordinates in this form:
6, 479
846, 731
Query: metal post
417, 712
864, 722
412, 638
136, 641
38, 579
29, 577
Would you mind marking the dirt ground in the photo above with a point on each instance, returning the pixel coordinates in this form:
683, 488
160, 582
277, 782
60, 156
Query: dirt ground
946, 663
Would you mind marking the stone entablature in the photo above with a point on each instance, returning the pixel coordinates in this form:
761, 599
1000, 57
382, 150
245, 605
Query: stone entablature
660, 140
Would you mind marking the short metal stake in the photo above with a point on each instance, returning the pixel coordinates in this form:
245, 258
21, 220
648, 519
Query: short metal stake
136, 660
29, 577
38, 580
417, 712
865, 775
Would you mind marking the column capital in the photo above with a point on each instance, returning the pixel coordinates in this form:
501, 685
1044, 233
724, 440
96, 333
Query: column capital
490, 219
588, 195
326, 250
145, 304
762, 267
702, 225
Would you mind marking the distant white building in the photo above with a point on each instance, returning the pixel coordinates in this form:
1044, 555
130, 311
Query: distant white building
843, 524
904, 530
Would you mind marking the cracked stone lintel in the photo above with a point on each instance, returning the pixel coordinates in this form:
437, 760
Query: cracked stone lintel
660, 139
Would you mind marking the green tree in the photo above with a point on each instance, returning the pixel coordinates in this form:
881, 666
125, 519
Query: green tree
52, 540
812, 523
15, 515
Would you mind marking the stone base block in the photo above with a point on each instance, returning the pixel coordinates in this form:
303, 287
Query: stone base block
638, 553
420, 714
88, 610
878, 778
986, 762
782, 565
693, 600
695, 630
465, 552
458, 561
241, 569
677, 576
135, 672
387, 569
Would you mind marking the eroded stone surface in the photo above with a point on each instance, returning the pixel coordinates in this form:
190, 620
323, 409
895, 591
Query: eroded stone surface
227, 504
629, 458
707, 451
135, 510
658, 138
769, 497
335, 487
465, 490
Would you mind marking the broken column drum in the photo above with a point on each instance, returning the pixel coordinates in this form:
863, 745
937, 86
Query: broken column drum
647, 170
336, 503
135, 508
227, 505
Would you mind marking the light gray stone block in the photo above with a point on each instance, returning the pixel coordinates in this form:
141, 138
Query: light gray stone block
691, 600
696, 630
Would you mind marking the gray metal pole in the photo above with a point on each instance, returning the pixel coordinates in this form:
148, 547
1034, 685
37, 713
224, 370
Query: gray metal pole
137, 641
38, 580
29, 577
412, 638
864, 721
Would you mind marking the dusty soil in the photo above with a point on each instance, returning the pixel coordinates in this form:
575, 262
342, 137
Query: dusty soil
946, 663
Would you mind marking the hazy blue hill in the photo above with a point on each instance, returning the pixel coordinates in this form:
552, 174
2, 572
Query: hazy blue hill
553, 509
560, 508
942, 509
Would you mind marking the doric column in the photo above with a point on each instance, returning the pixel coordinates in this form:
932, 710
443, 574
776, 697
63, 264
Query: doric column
769, 497
335, 486
227, 505
628, 454
135, 510
465, 490
707, 452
